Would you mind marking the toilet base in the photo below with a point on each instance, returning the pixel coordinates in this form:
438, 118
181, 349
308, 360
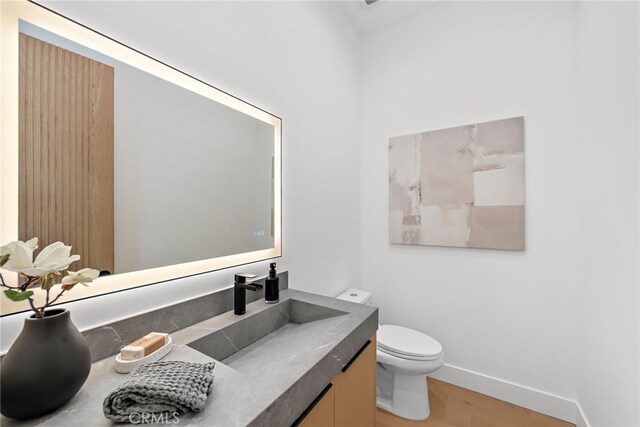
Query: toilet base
409, 399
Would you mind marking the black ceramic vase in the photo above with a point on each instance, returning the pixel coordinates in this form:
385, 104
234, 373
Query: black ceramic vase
45, 367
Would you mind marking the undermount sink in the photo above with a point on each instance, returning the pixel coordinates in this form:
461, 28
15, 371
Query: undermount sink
255, 340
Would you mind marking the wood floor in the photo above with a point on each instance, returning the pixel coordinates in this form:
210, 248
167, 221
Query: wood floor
456, 406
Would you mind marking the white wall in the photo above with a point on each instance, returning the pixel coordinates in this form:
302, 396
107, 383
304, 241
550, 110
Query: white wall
558, 324
608, 374
299, 61
508, 315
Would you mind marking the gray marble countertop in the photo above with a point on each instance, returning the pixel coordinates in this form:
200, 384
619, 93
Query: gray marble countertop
251, 390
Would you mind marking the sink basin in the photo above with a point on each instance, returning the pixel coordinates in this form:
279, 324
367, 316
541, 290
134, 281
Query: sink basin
257, 340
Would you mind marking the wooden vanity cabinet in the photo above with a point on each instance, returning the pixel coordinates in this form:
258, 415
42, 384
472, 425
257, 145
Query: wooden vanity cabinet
321, 412
350, 400
355, 395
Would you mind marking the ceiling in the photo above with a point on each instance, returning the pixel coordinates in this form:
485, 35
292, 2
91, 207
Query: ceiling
383, 13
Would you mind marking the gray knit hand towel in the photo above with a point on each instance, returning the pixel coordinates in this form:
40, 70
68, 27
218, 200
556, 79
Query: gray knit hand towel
160, 388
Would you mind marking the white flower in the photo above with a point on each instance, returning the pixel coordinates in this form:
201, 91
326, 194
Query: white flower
86, 275
20, 254
53, 258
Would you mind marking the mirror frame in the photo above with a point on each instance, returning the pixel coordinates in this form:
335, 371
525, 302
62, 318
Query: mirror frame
11, 12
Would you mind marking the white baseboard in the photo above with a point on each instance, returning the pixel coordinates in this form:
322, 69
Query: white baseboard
536, 400
581, 418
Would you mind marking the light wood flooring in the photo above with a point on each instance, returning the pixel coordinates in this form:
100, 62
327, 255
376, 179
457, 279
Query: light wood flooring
459, 407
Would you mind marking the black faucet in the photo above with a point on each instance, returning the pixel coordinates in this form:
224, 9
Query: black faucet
240, 285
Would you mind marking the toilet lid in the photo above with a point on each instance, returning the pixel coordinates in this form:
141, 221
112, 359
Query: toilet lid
405, 341
407, 357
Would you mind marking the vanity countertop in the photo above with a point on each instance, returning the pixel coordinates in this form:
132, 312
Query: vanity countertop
252, 391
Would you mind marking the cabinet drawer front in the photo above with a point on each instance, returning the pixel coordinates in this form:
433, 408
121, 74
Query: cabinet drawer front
355, 395
321, 412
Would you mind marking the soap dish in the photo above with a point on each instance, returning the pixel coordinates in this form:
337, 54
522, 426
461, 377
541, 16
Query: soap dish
126, 366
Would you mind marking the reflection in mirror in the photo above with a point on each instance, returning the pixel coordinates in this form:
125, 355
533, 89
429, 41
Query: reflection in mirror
148, 173
139, 172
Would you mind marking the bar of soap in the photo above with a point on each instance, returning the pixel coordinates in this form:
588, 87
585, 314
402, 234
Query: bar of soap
144, 346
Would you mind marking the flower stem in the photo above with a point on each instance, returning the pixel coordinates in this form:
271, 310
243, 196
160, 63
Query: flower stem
4, 284
55, 299
28, 282
39, 311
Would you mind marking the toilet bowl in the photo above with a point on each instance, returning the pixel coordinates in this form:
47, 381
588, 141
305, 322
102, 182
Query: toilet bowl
404, 358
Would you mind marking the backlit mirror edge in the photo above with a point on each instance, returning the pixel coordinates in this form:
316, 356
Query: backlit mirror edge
10, 14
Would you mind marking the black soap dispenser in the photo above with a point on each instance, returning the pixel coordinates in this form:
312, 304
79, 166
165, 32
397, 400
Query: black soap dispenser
271, 286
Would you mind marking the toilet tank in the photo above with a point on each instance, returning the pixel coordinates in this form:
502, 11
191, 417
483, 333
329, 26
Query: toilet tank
356, 295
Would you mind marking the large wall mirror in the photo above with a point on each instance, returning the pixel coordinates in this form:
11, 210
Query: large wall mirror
148, 173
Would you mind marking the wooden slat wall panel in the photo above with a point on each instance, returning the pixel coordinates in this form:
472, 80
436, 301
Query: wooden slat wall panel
100, 161
66, 152
48, 126
37, 142
22, 136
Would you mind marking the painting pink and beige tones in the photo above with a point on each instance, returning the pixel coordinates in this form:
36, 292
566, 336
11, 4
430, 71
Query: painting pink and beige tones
462, 186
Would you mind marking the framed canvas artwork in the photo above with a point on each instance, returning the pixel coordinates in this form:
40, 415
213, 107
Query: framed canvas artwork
461, 186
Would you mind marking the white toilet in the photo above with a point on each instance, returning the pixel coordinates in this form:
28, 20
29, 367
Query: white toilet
404, 357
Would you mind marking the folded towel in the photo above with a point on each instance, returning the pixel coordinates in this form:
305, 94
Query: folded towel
161, 388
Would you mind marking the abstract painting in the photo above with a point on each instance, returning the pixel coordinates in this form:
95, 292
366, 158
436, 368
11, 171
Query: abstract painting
461, 186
